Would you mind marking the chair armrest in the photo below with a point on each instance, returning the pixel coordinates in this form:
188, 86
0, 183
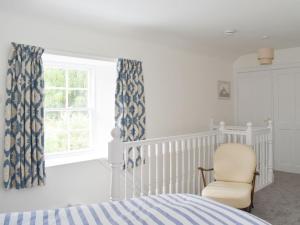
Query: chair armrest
203, 169
202, 174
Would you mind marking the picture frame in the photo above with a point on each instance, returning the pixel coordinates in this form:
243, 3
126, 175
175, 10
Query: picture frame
224, 90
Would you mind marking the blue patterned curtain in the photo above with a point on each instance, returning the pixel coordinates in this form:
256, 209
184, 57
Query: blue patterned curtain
130, 105
24, 164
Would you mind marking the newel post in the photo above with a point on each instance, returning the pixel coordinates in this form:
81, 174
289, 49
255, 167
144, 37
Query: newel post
115, 159
221, 132
270, 148
249, 135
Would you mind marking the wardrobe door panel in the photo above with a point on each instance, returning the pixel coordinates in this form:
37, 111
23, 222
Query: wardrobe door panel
287, 119
254, 97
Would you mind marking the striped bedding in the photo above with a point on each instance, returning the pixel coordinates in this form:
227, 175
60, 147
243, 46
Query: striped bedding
161, 209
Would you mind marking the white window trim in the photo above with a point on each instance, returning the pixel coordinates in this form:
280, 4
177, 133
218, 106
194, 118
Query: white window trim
71, 157
67, 157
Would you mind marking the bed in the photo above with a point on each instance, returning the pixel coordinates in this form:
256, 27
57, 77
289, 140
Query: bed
160, 209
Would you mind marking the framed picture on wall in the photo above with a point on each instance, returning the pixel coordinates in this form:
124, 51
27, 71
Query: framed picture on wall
224, 89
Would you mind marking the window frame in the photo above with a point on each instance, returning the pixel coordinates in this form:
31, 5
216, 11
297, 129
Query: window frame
71, 156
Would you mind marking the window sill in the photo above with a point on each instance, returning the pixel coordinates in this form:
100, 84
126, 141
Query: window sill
52, 160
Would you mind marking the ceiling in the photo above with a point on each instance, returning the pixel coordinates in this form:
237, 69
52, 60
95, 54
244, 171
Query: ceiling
195, 24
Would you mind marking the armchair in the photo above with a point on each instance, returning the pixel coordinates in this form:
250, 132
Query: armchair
234, 173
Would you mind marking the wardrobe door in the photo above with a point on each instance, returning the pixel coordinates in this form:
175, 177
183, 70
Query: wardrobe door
287, 119
254, 101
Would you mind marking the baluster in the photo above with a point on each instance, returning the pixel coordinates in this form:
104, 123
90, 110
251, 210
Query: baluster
205, 164
177, 165
257, 158
164, 166
133, 149
234, 138
182, 165
270, 152
194, 166
208, 157
265, 160
142, 169
156, 170
126, 171
228, 138
261, 159
211, 149
150, 169
171, 167
189, 165
199, 142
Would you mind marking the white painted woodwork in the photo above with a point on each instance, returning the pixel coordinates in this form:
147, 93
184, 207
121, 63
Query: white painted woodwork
174, 160
115, 158
142, 170
287, 119
273, 93
254, 97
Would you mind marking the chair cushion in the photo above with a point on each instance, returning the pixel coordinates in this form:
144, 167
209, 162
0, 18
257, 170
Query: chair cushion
237, 195
234, 162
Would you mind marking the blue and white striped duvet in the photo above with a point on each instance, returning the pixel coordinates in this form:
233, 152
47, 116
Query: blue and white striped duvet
161, 209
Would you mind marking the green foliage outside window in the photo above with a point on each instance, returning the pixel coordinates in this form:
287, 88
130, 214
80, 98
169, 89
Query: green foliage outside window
66, 114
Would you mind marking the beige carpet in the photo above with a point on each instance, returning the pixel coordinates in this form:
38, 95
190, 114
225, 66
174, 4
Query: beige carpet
279, 203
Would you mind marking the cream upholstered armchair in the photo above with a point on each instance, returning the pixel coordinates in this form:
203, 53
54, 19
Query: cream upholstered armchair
234, 173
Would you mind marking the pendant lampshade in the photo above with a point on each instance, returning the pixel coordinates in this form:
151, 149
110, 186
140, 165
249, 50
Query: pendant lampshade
265, 56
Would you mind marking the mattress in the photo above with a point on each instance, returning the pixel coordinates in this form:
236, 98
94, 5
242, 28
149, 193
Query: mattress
177, 209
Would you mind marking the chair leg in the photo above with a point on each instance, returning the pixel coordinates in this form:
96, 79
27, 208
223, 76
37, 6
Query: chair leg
249, 209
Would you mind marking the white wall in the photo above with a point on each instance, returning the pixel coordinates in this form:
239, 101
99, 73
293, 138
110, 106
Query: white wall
180, 98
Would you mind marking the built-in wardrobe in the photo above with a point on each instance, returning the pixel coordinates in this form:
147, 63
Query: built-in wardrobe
272, 92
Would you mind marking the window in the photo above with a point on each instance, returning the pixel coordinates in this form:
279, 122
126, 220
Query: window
78, 116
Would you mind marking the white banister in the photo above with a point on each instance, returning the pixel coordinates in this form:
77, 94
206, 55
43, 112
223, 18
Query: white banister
115, 159
149, 150
169, 164
194, 166
134, 172
270, 148
177, 166
142, 170
249, 134
199, 148
164, 167
156, 170
189, 175
182, 165
221, 132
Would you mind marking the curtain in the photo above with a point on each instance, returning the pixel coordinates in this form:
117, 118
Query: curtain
130, 105
24, 164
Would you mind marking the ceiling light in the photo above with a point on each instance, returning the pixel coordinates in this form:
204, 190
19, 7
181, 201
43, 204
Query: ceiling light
264, 37
265, 56
230, 32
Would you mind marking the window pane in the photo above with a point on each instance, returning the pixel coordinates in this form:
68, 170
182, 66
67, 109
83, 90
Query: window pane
55, 77
79, 120
79, 139
78, 79
55, 120
55, 99
78, 98
56, 141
